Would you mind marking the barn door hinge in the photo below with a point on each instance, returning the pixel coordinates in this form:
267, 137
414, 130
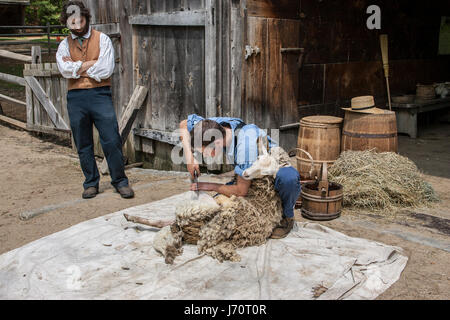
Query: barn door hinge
249, 51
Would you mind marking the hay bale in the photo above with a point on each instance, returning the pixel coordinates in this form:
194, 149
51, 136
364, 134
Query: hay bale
380, 181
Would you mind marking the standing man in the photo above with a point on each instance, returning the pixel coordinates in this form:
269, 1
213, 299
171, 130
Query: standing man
239, 142
86, 59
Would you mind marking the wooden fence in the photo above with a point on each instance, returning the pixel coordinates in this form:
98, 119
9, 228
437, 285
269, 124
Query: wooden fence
47, 33
46, 92
46, 101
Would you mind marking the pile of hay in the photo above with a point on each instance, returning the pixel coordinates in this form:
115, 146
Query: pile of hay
380, 181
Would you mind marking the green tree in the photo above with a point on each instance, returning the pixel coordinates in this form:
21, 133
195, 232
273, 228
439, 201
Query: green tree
41, 12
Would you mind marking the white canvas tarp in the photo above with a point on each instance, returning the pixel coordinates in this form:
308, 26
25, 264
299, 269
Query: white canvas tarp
109, 258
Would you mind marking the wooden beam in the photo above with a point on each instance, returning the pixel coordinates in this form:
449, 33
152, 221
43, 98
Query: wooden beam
128, 117
49, 130
15, 56
40, 94
158, 135
290, 126
13, 122
178, 18
12, 79
12, 100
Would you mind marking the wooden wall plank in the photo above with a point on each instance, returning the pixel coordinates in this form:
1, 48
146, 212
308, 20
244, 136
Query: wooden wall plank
281, 9
173, 5
274, 73
140, 7
157, 6
211, 58
127, 54
104, 11
194, 73
174, 68
290, 71
149, 47
193, 4
255, 101
222, 40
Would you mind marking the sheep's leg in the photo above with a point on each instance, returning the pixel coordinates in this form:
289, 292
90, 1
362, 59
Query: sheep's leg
156, 224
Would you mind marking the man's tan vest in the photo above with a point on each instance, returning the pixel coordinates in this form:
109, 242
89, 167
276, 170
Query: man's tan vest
89, 51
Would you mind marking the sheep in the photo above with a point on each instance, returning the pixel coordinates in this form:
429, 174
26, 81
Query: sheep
219, 228
242, 222
168, 242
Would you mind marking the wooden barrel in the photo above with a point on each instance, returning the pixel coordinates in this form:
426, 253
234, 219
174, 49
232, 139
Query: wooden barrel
365, 131
320, 207
320, 136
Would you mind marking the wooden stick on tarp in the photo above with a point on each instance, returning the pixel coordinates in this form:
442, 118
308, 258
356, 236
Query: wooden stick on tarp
385, 55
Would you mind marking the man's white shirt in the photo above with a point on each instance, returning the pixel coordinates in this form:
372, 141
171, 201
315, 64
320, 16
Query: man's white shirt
102, 69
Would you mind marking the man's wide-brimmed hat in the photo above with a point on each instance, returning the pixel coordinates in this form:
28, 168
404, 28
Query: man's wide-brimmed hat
364, 104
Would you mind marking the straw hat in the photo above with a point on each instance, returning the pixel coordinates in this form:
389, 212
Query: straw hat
365, 104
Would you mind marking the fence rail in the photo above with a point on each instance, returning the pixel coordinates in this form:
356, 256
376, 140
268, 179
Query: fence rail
9, 78
48, 33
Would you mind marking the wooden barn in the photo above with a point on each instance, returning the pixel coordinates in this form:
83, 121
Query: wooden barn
270, 62
12, 13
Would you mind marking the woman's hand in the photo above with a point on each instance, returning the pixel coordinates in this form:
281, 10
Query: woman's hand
192, 168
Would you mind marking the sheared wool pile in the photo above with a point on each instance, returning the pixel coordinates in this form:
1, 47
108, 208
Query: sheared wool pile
382, 182
242, 222
219, 230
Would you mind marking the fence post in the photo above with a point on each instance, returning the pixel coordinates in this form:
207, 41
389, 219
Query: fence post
48, 37
36, 55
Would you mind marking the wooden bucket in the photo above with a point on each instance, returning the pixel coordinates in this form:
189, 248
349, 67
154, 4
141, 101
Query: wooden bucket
320, 136
321, 200
365, 131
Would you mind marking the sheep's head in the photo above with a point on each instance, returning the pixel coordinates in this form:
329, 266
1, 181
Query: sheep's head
265, 165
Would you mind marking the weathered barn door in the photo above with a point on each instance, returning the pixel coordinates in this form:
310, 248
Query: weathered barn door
271, 74
174, 55
172, 46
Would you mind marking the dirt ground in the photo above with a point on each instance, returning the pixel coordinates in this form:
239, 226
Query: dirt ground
42, 177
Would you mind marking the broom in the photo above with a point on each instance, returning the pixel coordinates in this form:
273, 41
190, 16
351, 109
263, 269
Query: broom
384, 53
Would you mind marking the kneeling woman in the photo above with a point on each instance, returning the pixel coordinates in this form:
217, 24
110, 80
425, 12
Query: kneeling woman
239, 142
